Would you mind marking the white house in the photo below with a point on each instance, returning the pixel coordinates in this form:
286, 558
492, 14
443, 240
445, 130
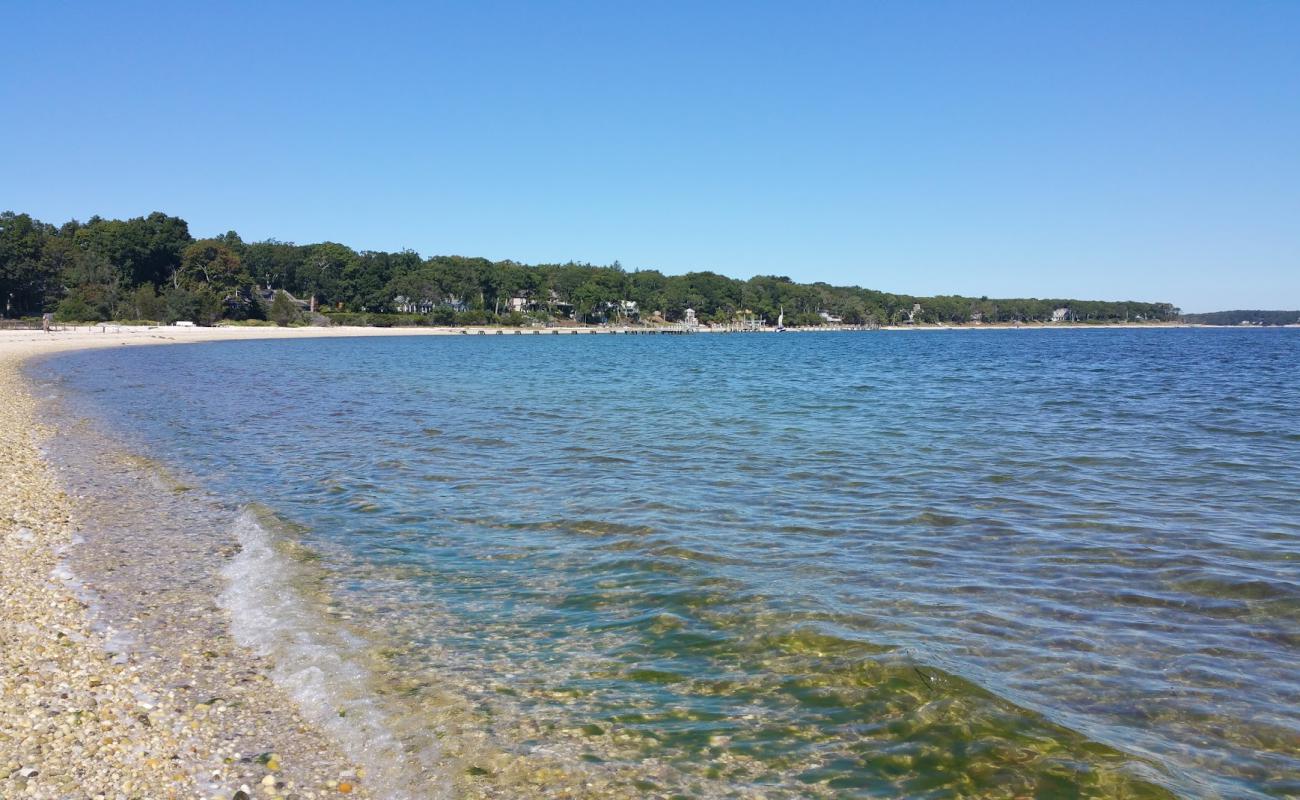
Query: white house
1060, 315
410, 305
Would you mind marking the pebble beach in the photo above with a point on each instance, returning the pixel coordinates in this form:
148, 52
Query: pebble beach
189, 714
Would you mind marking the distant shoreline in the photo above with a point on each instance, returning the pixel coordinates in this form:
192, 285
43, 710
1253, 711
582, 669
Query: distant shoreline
82, 336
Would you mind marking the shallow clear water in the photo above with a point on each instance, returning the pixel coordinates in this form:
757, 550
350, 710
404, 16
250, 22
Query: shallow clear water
1011, 563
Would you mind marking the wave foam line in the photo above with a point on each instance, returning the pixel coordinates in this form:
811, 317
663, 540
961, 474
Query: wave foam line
320, 666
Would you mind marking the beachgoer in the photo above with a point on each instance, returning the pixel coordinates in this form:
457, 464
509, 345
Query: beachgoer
46, 319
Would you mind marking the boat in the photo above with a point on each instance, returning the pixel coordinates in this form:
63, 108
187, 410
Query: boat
780, 320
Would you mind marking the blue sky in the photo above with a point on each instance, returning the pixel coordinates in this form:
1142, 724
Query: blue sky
1143, 151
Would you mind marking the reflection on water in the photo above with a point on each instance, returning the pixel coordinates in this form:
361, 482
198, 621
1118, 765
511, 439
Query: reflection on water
1018, 563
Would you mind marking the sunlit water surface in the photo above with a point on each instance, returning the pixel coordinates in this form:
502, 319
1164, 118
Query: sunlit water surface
1002, 564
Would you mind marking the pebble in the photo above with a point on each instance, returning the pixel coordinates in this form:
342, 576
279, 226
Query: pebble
79, 722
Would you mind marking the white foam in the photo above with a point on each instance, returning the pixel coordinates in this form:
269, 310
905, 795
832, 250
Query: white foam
117, 642
321, 667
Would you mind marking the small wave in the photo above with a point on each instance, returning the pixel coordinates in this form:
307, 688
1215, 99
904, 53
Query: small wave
320, 665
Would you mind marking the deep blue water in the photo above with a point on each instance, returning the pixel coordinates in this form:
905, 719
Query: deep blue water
994, 563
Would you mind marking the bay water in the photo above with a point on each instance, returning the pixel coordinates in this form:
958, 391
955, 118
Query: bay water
880, 564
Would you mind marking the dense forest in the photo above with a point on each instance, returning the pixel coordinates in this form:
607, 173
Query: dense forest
151, 268
1245, 318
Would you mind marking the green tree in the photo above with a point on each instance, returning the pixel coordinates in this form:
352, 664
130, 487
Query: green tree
591, 298
81, 305
97, 268
143, 303
442, 315
273, 264
320, 275
212, 264
141, 249
25, 278
93, 288
283, 310
199, 305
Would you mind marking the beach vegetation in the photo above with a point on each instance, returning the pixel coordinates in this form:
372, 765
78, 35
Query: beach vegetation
200, 305
78, 306
351, 318
475, 316
442, 315
143, 303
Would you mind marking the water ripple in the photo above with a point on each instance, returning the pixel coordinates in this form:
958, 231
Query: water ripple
1013, 563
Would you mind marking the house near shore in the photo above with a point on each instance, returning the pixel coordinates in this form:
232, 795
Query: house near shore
623, 310
407, 305
423, 305
267, 296
1060, 315
553, 305
829, 318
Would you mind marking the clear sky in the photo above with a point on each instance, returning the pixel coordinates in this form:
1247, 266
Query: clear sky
1129, 150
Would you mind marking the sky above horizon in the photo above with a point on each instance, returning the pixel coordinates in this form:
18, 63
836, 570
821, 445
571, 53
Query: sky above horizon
1146, 151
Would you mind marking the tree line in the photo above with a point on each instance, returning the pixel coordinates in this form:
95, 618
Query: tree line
1250, 317
152, 268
